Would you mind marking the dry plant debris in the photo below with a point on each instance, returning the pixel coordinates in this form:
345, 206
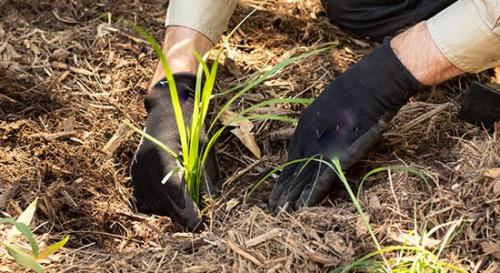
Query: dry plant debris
68, 78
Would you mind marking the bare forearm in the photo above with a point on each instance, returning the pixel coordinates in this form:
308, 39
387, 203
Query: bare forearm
418, 53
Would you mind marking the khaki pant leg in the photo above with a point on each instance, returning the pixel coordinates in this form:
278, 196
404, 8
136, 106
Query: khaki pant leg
210, 17
468, 34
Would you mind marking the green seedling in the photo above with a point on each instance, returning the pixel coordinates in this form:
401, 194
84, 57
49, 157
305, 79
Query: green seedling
28, 258
193, 156
411, 257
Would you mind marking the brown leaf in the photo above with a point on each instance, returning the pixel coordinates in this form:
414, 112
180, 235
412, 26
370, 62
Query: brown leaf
361, 228
497, 74
413, 239
491, 248
492, 173
243, 130
496, 187
60, 55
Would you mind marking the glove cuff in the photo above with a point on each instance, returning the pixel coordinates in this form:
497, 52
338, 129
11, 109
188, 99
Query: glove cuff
387, 70
160, 93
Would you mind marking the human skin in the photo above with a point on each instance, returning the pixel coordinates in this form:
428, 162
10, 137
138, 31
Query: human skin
177, 46
414, 48
418, 53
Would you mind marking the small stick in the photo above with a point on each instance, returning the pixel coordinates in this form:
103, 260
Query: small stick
116, 140
236, 249
54, 136
262, 238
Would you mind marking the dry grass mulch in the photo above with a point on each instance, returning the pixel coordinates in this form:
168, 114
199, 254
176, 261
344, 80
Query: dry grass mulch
68, 78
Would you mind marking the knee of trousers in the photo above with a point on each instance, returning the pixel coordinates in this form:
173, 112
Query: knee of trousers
346, 15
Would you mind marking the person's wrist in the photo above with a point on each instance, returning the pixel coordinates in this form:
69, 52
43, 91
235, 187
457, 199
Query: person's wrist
421, 57
177, 64
178, 48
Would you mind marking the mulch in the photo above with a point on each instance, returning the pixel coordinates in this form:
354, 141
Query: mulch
71, 72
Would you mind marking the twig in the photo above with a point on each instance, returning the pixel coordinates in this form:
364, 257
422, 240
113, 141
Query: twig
54, 136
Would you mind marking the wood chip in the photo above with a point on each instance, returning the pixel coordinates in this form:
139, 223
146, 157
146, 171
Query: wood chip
9, 194
116, 140
491, 248
361, 228
200, 268
238, 250
263, 237
492, 173
283, 134
82, 71
323, 259
54, 136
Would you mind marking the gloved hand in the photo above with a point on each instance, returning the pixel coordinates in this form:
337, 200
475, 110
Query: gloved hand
151, 164
344, 122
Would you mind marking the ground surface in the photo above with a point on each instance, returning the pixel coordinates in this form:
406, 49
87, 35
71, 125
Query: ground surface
68, 79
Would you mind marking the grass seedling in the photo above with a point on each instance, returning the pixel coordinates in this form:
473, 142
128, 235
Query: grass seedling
411, 257
28, 258
408, 258
193, 156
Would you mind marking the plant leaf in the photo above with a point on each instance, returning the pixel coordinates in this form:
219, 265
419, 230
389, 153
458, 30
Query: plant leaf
23, 258
25, 230
25, 217
52, 249
243, 130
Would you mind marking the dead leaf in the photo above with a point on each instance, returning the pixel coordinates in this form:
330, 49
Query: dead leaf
361, 228
492, 173
60, 55
496, 187
231, 204
339, 245
243, 130
497, 74
491, 248
413, 239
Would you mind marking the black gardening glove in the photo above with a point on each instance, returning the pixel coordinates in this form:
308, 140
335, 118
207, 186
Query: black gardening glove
151, 164
344, 122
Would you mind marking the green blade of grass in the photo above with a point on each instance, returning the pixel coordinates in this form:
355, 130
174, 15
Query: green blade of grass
277, 101
272, 117
23, 258
152, 139
52, 249
265, 76
179, 118
25, 217
25, 230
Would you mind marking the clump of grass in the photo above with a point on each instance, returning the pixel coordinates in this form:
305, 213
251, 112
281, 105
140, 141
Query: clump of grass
411, 257
193, 156
28, 258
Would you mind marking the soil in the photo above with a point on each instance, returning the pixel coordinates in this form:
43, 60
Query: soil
71, 72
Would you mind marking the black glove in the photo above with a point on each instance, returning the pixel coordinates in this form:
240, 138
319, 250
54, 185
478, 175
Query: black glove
151, 164
344, 122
